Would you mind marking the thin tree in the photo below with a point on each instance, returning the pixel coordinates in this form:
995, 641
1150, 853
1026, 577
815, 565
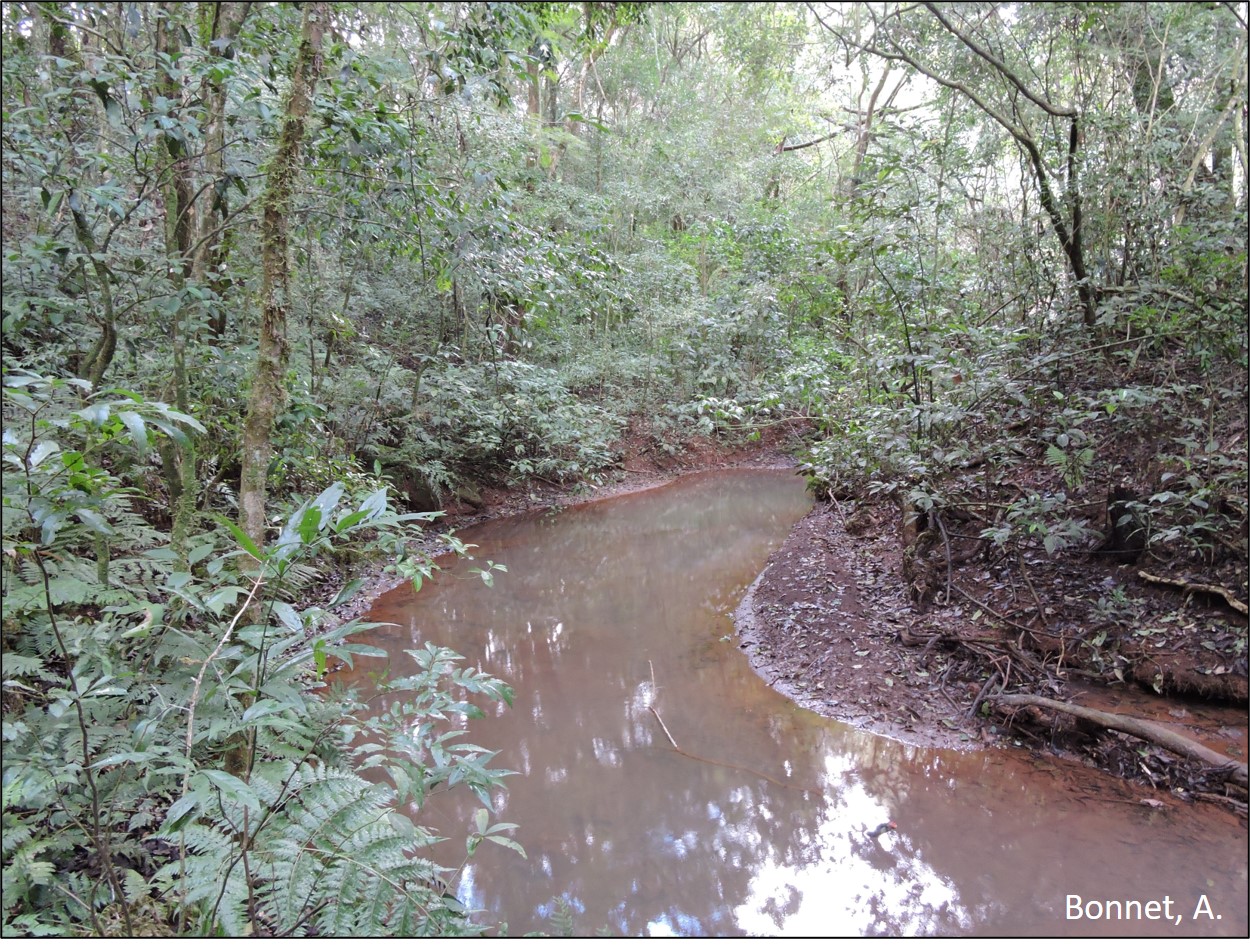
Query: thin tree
268, 394
1064, 210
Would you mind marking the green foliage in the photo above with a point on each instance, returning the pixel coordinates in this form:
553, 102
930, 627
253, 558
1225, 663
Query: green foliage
510, 417
1014, 405
168, 768
338, 858
1041, 518
561, 918
518, 226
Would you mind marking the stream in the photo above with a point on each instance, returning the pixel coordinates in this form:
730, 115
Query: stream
613, 625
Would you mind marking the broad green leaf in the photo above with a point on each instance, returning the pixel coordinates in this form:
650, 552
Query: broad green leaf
264, 708
375, 504
93, 520
173, 432
327, 501
230, 785
510, 844
244, 540
347, 592
366, 651
290, 617
179, 813
225, 597
138, 431
96, 413
351, 520
126, 757
200, 552
309, 524
41, 452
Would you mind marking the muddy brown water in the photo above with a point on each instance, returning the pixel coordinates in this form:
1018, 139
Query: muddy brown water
613, 612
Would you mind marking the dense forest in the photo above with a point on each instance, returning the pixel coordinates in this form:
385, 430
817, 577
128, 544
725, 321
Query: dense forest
282, 280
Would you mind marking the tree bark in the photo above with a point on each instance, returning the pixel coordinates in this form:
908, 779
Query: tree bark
97, 361
219, 29
268, 394
1133, 726
177, 189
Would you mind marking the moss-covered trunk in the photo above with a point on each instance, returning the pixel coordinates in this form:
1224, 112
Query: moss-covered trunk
268, 393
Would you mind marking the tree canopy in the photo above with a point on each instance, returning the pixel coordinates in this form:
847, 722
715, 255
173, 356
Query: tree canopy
277, 277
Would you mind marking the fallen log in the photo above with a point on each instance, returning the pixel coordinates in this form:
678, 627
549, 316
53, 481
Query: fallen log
1135, 727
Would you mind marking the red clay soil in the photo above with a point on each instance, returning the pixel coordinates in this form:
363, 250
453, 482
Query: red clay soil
834, 622
846, 622
825, 623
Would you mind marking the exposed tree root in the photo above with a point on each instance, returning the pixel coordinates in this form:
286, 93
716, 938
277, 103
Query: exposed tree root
1228, 596
1134, 726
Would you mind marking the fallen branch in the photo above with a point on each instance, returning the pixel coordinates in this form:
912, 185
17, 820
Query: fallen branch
721, 763
1001, 617
666, 733
1239, 806
1135, 727
910, 639
986, 688
1196, 587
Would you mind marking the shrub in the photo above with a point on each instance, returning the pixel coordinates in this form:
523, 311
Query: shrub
168, 766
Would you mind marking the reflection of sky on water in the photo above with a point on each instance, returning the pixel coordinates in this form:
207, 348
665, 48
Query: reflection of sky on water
613, 616
845, 877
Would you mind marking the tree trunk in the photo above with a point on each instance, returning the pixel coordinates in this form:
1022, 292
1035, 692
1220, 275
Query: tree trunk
97, 361
268, 393
178, 191
1164, 737
219, 28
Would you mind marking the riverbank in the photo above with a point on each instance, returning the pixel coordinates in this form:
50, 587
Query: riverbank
643, 464
832, 623
825, 624
843, 624
838, 622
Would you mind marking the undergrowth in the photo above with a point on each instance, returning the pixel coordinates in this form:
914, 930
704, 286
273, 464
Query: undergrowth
173, 764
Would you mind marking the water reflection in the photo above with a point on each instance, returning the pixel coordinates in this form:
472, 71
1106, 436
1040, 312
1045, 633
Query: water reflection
614, 616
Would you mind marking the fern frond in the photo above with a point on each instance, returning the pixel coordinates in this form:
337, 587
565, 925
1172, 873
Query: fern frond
14, 665
335, 862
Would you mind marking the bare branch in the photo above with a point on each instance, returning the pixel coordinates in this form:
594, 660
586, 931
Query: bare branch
1045, 105
782, 147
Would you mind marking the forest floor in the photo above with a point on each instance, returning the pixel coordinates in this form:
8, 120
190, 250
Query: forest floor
845, 620
833, 622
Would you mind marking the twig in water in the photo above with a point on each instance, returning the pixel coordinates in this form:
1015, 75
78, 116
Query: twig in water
666, 733
721, 763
